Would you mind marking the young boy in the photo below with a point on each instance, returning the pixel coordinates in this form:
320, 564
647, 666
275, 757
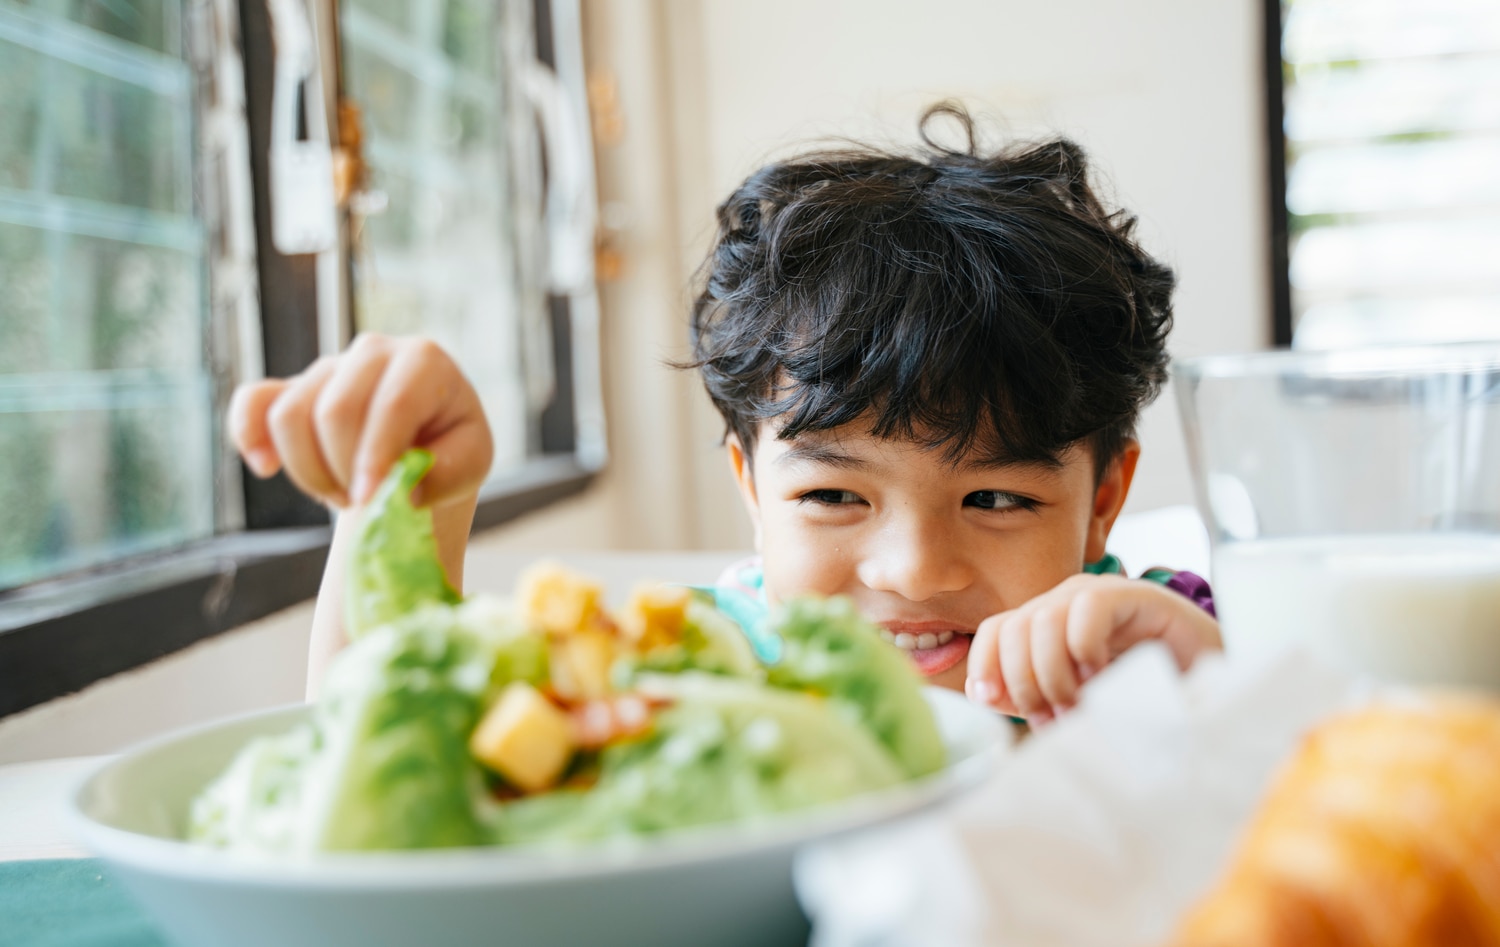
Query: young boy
929, 366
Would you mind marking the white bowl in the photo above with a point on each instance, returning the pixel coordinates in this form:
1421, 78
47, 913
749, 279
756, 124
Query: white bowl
723, 885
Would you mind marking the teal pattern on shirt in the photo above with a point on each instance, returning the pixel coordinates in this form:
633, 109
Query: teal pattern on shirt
743, 598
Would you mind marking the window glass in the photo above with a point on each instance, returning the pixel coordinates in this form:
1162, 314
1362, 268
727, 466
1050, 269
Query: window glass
126, 250
436, 253
106, 411
1393, 140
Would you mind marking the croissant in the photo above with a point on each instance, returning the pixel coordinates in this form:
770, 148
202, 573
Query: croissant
1383, 830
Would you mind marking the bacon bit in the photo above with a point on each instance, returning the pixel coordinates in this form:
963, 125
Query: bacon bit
586, 778
502, 791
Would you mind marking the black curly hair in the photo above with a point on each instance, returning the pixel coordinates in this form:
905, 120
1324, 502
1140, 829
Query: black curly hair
954, 299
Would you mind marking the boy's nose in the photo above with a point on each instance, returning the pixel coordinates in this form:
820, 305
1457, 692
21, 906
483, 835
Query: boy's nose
916, 561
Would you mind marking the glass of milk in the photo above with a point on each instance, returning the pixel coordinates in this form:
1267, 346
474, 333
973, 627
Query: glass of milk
1353, 504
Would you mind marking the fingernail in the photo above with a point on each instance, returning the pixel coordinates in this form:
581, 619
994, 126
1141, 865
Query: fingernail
1085, 671
981, 692
261, 462
1039, 719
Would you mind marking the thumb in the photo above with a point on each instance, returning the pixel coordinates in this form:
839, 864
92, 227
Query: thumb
1152, 611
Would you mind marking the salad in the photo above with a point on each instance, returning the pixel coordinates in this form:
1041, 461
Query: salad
451, 721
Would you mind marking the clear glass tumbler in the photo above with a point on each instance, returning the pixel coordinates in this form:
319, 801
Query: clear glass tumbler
1353, 504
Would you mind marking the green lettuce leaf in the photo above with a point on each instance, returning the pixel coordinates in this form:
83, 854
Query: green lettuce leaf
396, 713
394, 566
829, 649
711, 642
728, 749
384, 764
256, 804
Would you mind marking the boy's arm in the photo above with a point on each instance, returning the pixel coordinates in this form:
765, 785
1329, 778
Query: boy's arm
450, 523
336, 429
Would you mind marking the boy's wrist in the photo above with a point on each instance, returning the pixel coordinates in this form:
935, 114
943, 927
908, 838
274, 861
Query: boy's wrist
451, 523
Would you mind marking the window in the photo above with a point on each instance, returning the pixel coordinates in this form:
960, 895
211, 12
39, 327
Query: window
436, 252
142, 282
1392, 145
104, 262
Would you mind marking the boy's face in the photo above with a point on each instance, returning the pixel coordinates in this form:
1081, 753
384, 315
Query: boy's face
925, 548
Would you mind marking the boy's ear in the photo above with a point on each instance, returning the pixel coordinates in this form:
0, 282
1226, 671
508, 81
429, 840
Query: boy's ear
1109, 498
744, 478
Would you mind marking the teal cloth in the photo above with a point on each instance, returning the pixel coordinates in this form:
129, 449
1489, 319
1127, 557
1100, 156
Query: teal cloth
69, 902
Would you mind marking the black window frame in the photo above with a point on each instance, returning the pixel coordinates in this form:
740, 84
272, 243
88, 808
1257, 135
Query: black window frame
60, 635
1272, 23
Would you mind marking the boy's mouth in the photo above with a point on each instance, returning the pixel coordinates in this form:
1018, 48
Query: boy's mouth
933, 647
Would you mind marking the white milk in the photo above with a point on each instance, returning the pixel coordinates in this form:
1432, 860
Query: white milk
1420, 608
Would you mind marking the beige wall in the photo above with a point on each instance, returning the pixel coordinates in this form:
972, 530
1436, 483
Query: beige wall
1165, 95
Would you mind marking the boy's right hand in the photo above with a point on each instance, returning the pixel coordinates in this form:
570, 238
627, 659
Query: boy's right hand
337, 427
1033, 660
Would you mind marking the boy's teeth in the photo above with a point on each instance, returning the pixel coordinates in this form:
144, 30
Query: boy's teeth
923, 642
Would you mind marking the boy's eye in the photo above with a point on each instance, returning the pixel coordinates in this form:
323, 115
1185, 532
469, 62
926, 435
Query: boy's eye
829, 497
997, 500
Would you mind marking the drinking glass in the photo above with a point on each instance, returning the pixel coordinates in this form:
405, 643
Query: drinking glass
1353, 505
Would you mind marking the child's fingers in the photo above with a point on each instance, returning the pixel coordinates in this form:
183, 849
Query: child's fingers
249, 428
1196, 631
1091, 626
343, 404
1016, 668
1152, 611
1056, 674
983, 683
1117, 614
296, 440
415, 396
462, 457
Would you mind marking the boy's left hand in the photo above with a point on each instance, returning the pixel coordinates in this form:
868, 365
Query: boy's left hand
1032, 661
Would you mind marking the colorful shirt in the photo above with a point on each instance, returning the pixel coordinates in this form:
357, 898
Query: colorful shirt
740, 593
1190, 584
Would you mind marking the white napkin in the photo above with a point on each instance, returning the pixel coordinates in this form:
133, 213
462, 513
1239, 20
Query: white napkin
1102, 829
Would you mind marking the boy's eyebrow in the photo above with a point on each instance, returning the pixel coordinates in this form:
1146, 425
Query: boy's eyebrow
805, 452
1010, 463
829, 455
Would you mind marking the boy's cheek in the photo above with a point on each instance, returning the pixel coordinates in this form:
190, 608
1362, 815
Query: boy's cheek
800, 565
785, 578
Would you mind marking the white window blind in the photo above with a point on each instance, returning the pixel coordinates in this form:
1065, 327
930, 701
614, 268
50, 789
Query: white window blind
1392, 120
